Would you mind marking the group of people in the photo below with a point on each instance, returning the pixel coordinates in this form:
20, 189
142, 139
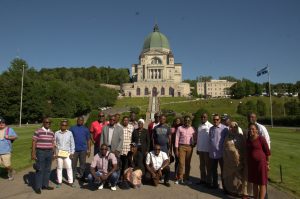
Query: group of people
128, 155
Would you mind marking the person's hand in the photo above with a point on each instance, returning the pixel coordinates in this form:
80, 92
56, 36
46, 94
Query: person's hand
33, 156
6, 137
268, 166
54, 156
104, 177
97, 178
71, 156
88, 153
153, 175
159, 172
176, 153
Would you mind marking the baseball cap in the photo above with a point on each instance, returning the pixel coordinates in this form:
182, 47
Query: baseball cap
2, 120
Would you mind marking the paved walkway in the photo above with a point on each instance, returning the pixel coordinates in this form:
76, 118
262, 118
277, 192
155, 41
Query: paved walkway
20, 189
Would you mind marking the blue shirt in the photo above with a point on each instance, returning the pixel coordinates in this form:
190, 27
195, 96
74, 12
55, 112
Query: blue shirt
217, 136
81, 136
6, 145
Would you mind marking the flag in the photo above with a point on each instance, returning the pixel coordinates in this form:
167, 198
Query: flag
262, 71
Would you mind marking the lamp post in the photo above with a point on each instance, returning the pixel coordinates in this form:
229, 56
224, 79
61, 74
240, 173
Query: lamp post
21, 103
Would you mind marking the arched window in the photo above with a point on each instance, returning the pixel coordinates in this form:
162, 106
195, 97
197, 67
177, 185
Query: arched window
156, 60
171, 91
162, 91
146, 91
138, 91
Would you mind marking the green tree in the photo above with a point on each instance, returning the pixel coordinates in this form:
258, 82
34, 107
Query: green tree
261, 108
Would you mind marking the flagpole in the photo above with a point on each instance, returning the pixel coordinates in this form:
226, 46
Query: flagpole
270, 94
21, 103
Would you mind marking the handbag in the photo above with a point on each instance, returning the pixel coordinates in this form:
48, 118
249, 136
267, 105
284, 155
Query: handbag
63, 154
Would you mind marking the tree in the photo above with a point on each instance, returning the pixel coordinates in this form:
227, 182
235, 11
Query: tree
228, 78
196, 117
261, 108
204, 78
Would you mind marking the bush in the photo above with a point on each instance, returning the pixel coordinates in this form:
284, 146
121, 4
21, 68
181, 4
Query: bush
55, 123
281, 121
135, 109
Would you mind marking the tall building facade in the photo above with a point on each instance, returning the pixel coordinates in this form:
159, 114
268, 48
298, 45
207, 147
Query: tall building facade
156, 74
214, 88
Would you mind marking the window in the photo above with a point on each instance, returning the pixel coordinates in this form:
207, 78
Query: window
162, 91
138, 91
146, 91
156, 60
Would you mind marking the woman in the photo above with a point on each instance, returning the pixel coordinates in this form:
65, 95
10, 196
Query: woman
176, 123
258, 154
141, 137
234, 161
134, 167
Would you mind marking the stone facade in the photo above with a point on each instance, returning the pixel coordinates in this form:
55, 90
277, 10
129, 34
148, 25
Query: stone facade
214, 88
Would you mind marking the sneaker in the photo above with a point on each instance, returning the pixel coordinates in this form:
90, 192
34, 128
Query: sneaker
176, 182
100, 187
10, 175
113, 188
181, 182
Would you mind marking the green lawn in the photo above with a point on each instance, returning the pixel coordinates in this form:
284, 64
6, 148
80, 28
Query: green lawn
141, 102
285, 150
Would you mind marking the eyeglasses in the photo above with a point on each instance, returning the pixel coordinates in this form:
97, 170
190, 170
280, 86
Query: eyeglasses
104, 149
101, 115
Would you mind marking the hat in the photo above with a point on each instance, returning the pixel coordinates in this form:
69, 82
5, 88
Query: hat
225, 117
2, 120
141, 120
133, 144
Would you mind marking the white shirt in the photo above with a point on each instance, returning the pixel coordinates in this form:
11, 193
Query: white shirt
110, 134
203, 137
157, 161
264, 132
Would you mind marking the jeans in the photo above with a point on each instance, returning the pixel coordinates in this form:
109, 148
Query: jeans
112, 179
155, 179
43, 163
213, 174
81, 156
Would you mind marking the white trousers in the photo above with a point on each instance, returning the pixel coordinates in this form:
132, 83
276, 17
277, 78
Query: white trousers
61, 162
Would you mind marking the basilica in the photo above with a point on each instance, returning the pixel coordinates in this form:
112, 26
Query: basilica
156, 74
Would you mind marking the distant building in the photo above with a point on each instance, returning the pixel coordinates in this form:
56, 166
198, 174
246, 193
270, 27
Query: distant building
156, 74
214, 88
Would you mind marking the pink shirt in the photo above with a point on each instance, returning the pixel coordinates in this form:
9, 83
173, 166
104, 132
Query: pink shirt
96, 130
101, 162
185, 135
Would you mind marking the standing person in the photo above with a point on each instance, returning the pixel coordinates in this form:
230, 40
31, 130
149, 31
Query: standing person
65, 148
132, 120
140, 136
184, 143
157, 165
7, 136
96, 130
101, 169
203, 147
162, 135
258, 154
225, 120
42, 153
112, 135
217, 134
151, 126
176, 123
127, 131
234, 161
82, 141
117, 115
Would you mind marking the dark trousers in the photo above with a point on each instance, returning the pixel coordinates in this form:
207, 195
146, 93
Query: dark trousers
213, 174
123, 159
96, 149
43, 164
204, 165
176, 166
155, 179
81, 156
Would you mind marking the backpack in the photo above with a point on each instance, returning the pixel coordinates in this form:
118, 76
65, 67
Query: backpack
6, 134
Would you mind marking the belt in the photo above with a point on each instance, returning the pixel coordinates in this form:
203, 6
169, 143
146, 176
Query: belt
185, 145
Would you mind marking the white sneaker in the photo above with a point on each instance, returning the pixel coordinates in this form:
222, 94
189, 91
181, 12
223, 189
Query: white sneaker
114, 188
100, 187
176, 182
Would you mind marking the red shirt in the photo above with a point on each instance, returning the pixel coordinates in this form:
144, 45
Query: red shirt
96, 130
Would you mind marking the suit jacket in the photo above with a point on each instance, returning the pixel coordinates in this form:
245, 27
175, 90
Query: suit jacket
144, 137
116, 140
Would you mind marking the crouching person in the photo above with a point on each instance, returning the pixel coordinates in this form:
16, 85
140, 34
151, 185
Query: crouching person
104, 168
157, 165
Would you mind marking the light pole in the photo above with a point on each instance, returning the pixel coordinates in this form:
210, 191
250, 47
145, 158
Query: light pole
21, 103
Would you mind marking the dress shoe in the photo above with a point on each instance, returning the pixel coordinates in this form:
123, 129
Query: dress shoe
38, 191
48, 188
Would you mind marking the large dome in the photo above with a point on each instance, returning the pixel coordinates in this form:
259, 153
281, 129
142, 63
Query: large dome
156, 40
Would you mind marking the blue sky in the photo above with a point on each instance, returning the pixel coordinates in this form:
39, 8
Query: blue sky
211, 37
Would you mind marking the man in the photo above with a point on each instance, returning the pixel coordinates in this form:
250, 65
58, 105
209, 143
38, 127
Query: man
203, 147
112, 135
162, 135
107, 168
82, 141
132, 120
225, 120
157, 165
217, 135
262, 130
151, 126
127, 132
42, 153
117, 115
7, 136
96, 130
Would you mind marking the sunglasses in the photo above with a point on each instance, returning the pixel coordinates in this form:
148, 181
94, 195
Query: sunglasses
104, 149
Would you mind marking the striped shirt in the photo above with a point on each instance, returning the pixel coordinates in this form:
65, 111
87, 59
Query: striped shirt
127, 138
44, 138
185, 135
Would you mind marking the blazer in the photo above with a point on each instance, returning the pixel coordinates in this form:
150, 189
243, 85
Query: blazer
116, 140
135, 161
144, 137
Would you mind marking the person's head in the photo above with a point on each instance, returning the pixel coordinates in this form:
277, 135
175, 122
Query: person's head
103, 149
253, 130
234, 127
141, 123
46, 123
225, 120
132, 116
125, 120
64, 125
133, 147
187, 121
2, 123
156, 149
117, 115
203, 118
252, 118
162, 119
156, 117
101, 116
216, 119
80, 121
112, 120
177, 122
